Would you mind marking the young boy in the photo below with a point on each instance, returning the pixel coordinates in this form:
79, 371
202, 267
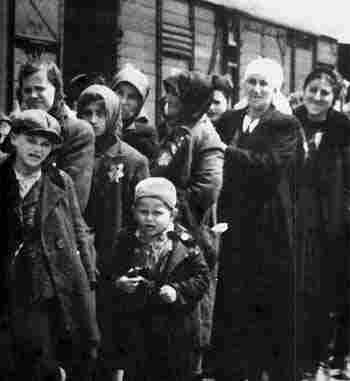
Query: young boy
159, 276
41, 275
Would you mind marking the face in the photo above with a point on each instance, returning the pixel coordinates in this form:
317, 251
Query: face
218, 106
31, 151
259, 92
38, 92
95, 114
152, 216
4, 131
318, 97
130, 100
174, 105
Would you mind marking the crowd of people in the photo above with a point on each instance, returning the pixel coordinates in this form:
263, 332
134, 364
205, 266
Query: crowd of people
212, 245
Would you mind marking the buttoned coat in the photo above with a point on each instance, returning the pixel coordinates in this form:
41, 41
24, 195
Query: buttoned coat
254, 305
148, 327
65, 243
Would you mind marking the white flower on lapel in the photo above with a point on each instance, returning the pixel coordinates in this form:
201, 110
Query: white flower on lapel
164, 159
318, 138
116, 172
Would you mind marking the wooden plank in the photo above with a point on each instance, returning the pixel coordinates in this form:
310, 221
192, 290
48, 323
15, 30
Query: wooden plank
204, 14
138, 39
148, 27
178, 7
176, 19
204, 27
137, 53
149, 68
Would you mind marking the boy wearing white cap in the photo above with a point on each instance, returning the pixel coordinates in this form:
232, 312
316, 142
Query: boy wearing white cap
159, 276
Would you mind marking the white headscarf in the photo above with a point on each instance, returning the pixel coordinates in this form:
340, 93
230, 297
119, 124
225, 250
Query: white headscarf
273, 72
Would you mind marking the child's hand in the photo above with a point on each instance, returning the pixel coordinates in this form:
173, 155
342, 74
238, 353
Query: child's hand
128, 285
168, 294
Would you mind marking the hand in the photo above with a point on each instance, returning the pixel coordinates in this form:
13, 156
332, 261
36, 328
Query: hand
128, 285
168, 294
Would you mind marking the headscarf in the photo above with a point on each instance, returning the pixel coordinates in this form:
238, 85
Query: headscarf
195, 92
113, 111
273, 72
268, 68
135, 77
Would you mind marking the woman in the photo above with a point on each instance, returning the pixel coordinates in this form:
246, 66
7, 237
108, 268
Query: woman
45, 261
322, 224
222, 97
41, 87
191, 156
254, 304
132, 87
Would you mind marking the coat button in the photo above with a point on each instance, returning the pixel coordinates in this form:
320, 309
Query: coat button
60, 243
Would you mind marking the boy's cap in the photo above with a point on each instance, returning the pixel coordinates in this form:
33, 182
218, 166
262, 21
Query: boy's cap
37, 122
157, 187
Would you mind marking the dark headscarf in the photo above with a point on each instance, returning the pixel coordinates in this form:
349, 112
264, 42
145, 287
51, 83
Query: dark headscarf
195, 92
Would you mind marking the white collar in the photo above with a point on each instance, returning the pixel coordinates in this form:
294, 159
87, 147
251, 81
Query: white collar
249, 124
26, 182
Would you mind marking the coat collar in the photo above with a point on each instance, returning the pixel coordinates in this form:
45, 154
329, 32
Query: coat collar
178, 254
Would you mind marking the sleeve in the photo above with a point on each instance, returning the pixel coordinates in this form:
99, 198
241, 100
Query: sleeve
191, 288
83, 236
266, 157
207, 170
146, 141
76, 157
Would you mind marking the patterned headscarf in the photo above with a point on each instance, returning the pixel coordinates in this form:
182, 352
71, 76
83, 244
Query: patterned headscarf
112, 104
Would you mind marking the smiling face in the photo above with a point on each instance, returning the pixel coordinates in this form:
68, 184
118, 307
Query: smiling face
218, 106
259, 92
318, 98
38, 92
152, 216
95, 114
31, 151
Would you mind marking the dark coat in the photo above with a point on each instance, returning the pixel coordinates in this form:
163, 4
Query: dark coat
323, 217
255, 283
65, 244
110, 204
76, 155
143, 137
195, 169
149, 330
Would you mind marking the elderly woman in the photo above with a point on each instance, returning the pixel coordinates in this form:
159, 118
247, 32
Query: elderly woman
191, 156
254, 304
323, 224
41, 87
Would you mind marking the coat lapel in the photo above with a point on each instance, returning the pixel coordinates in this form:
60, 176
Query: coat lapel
178, 254
51, 194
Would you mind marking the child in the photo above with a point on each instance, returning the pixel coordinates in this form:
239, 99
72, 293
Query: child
117, 169
44, 278
133, 88
159, 275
